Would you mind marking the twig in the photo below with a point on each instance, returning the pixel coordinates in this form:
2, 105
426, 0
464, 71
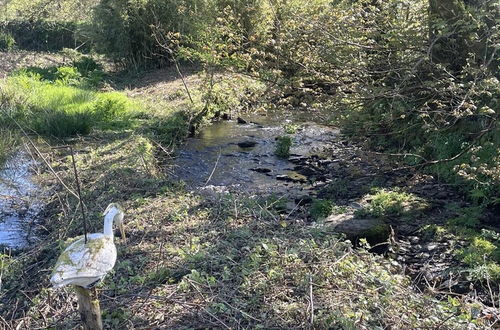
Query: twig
164, 44
215, 166
77, 179
311, 301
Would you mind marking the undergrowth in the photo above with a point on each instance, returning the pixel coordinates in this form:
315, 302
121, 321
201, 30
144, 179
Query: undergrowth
224, 261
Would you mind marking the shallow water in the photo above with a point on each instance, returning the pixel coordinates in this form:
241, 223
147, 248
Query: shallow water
19, 201
215, 160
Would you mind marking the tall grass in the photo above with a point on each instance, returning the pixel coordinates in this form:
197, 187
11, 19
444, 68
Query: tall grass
55, 108
8, 139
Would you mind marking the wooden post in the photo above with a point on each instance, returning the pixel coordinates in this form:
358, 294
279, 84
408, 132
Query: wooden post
89, 309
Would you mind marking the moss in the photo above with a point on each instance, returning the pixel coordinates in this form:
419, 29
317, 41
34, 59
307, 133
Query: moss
376, 234
392, 203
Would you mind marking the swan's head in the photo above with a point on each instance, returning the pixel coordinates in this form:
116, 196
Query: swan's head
116, 211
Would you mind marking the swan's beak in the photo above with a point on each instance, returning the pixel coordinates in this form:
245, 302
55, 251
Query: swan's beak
122, 232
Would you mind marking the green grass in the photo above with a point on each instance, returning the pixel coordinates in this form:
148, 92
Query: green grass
8, 139
386, 203
61, 110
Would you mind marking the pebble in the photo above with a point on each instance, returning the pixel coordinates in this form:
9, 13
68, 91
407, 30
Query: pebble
414, 239
431, 246
423, 255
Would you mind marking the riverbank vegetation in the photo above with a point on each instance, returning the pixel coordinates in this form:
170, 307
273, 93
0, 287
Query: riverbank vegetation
125, 82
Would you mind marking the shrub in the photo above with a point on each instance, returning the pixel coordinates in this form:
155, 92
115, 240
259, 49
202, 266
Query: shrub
7, 41
67, 75
483, 258
44, 35
86, 65
124, 29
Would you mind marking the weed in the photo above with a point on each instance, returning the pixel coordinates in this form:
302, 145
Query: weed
483, 258
67, 75
338, 188
321, 209
291, 128
385, 203
8, 139
283, 144
469, 217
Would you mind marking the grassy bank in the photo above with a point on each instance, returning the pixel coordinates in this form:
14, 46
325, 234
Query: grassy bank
195, 261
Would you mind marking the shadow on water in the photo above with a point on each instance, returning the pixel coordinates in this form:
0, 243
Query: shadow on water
20, 201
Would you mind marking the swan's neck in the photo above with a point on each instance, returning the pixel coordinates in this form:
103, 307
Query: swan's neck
108, 222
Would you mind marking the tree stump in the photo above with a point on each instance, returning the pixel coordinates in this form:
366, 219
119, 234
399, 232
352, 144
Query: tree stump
90, 311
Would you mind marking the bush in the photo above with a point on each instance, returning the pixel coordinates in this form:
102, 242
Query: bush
67, 75
86, 65
7, 41
42, 35
83, 73
124, 29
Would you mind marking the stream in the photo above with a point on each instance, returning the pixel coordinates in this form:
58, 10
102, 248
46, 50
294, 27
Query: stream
236, 156
20, 201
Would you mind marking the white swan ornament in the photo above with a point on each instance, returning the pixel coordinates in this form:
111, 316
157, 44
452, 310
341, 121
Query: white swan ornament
85, 264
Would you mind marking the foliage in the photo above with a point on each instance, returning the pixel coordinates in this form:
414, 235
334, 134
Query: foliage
42, 10
7, 41
483, 258
84, 72
321, 209
291, 128
405, 73
387, 203
40, 35
283, 144
125, 30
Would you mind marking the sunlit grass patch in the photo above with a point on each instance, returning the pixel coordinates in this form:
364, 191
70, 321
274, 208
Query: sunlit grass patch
58, 109
391, 203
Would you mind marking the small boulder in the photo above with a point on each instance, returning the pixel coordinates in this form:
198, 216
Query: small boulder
241, 121
374, 230
261, 170
247, 144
